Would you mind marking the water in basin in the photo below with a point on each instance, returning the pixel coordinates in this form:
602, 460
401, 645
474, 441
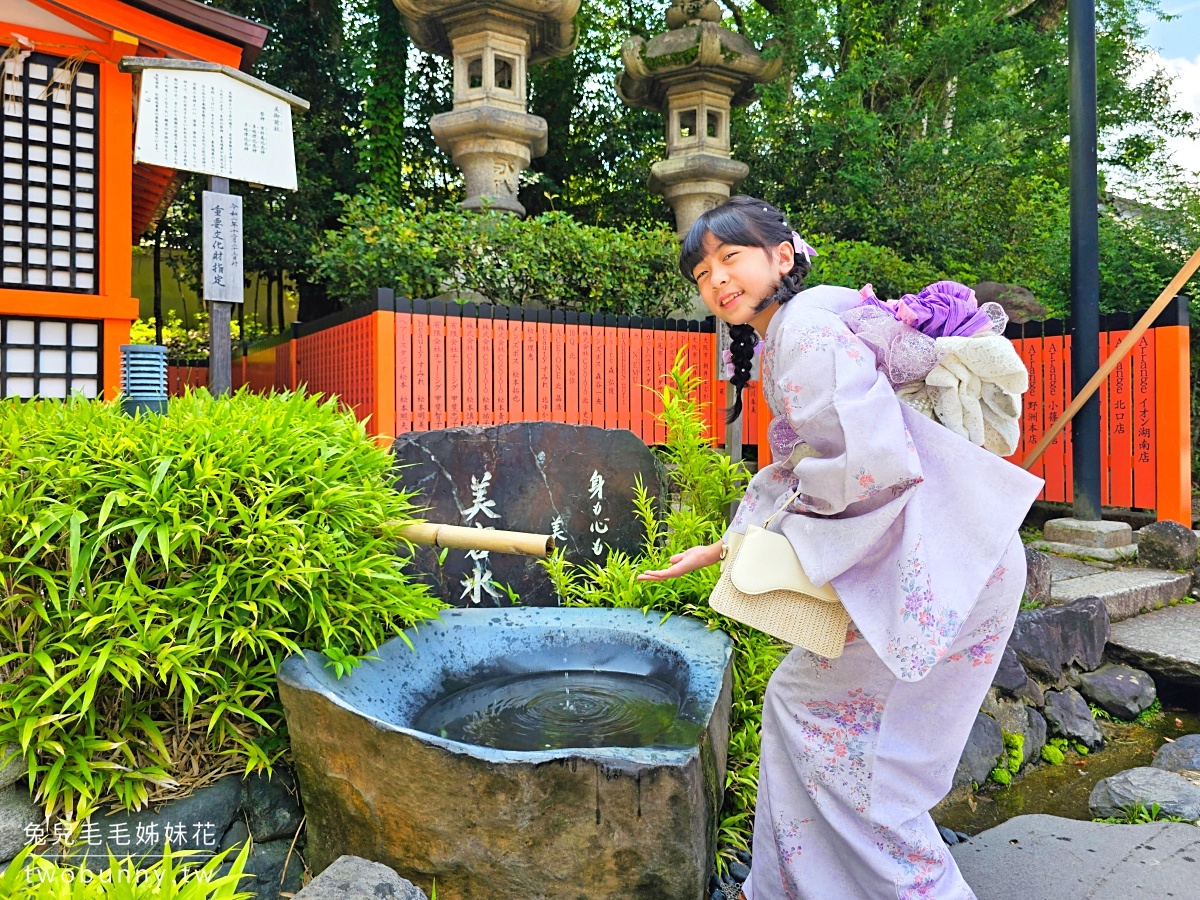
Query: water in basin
560, 709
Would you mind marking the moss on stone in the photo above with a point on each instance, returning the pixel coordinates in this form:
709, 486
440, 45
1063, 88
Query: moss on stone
1014, 747
1052, 755
671, 60
1001, 775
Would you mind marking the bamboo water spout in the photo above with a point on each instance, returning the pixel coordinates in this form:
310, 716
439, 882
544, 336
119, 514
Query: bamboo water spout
458, 537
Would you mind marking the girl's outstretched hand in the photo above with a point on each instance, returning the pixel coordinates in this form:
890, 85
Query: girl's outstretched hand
688, 561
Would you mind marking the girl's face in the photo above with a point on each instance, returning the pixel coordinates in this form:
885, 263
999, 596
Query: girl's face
734, 279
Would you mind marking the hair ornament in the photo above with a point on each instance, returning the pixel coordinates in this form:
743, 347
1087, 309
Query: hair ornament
803, 246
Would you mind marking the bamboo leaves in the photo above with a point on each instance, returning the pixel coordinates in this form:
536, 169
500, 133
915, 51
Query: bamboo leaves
155, 571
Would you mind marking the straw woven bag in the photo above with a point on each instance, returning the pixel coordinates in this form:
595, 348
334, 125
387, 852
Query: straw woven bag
763, 585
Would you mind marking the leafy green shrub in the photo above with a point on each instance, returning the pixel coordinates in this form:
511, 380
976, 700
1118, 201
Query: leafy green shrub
549, 260
155, 571
855, 263
704, 483
183, 342
31, 877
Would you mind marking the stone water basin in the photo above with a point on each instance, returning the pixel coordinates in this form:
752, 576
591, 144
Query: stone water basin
623, 803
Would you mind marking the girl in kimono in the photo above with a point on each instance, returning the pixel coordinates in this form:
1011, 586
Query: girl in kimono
915, 527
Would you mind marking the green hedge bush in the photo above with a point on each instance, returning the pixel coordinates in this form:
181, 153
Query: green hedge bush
154, 572
551, 260
705, 482
856, 263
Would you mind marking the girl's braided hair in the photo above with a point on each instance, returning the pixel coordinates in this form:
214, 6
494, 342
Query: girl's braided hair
746, 222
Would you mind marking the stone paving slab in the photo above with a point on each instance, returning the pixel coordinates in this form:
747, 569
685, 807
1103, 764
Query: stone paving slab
1166, 643
1126, 592
1124, 554
1063, 567
1049, 858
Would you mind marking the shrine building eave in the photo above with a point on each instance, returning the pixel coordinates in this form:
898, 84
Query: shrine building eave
247, 34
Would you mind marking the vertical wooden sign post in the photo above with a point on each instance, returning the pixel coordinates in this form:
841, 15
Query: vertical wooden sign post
195, 116
222, 277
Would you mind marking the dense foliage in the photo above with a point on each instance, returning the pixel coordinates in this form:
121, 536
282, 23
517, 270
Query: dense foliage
705, 482
155, 571
550, 260
929, 135
938, 130
184, 342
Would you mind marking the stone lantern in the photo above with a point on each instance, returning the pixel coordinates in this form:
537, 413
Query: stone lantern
694, 73
489, 134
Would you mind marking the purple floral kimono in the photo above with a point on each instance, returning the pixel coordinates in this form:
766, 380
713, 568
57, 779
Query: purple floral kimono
916, 528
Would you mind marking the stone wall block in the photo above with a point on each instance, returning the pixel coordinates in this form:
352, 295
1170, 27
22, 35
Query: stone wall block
1118, 690
1069, 716
1175, 794
271, 805
355, 878
17, 812
984, 748
1037, 576
266, 864
1010, 674
1167, 545
1049, 641
16, 769
1183, 755
196, 822
1035, 736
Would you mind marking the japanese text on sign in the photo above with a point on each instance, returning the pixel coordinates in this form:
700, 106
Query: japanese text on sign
479, 581
222, 247
599, 525
212, 123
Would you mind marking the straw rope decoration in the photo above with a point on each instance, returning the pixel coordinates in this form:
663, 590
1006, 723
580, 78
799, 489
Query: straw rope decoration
1130, 340
58, 88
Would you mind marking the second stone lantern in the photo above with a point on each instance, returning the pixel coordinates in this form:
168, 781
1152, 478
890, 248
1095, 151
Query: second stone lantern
489, 134
695, 73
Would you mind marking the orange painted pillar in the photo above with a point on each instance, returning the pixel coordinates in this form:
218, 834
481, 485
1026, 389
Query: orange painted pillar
1173, 465
114, 218
764, 422
383, 416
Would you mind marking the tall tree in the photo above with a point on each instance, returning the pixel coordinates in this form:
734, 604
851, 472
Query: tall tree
920, 125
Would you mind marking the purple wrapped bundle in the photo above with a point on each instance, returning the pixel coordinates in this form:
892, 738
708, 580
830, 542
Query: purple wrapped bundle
943, 309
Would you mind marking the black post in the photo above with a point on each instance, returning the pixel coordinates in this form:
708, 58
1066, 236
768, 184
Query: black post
1085, 256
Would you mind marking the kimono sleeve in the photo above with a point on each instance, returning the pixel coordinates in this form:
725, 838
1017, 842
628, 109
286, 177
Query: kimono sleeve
866, 464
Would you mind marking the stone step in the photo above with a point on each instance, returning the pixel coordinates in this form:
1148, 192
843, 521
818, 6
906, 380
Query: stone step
1126, 592
1064, 567
1165, 643
1041, 857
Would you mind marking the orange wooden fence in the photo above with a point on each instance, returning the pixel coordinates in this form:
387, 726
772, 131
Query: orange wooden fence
415, 365
408, 365
1145, 415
